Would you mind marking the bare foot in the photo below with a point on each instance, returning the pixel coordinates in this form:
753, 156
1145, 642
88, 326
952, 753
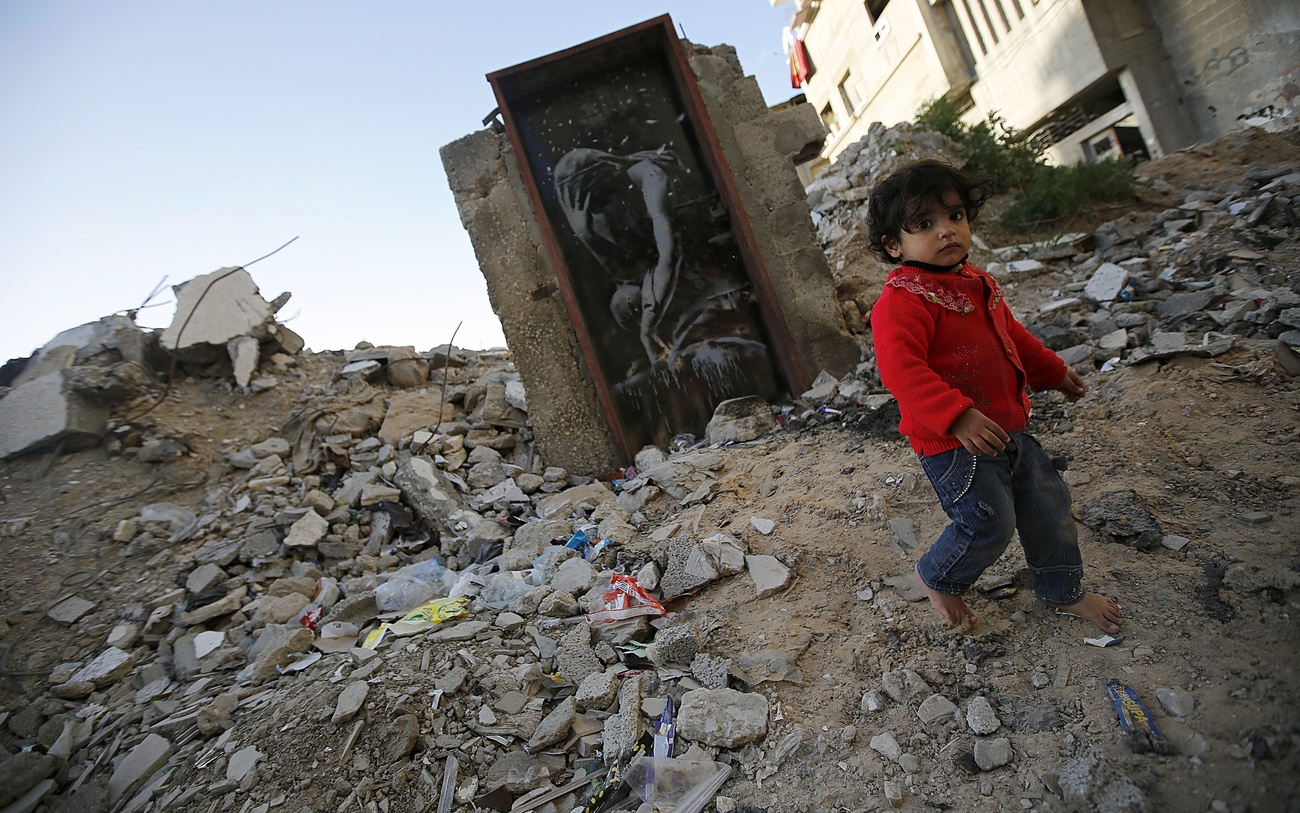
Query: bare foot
1098, 609
952, 608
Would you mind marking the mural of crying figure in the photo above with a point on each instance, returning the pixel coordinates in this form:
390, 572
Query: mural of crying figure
669, 267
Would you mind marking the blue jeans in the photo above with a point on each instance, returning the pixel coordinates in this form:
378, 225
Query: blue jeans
988, 499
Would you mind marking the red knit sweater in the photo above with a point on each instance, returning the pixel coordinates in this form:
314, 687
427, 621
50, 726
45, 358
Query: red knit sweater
945, 342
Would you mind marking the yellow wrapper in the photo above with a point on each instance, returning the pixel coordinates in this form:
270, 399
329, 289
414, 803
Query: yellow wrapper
372, 640
428, 615
438, 610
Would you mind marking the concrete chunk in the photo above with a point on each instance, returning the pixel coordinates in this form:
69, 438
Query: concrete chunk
41, 412
769, 575
724, 718
740, 419
108, 668
70, 610
231, 307
307, 531
141, 763
1106, 283
350, 701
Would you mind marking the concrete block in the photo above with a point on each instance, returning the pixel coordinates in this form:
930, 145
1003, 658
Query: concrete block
1106, 283
230, 306
140, 764
243, 356
41, 412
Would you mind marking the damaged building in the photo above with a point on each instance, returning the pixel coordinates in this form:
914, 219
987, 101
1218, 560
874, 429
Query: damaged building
1089, 78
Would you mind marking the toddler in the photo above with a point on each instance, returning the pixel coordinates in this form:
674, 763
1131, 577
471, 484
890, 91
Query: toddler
959, 363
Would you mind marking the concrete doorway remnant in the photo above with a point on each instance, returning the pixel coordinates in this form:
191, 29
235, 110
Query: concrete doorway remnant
611, 217
664, 287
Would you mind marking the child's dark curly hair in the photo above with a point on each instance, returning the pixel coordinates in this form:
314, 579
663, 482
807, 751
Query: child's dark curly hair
899, 198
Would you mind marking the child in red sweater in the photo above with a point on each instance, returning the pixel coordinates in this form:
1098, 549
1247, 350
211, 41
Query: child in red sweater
959, 364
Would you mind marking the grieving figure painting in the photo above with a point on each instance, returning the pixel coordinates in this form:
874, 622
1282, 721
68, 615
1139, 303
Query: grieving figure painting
648, 245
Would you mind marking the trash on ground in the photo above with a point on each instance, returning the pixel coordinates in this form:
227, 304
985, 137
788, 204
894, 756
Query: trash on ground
673, 784
1140, 731
1105, 640
625, 599
429, 615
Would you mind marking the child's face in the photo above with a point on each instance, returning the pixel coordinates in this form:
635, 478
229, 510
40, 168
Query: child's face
939, 234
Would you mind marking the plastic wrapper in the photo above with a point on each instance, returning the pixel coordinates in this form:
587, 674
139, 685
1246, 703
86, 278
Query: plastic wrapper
414, 585
429, 615
625, 599
668, 785
1140, 731
180, 521
502, 588
372, 639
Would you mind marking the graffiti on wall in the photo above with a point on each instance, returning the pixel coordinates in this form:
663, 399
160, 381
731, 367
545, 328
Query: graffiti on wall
649, 261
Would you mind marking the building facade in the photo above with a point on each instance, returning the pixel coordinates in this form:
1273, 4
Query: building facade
1090, 78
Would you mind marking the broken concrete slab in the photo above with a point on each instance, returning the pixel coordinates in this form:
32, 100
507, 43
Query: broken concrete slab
1106, 283
45, 411
140, 763
769, 575
213, 308
740, 419
100, 343
70, 610
107, 668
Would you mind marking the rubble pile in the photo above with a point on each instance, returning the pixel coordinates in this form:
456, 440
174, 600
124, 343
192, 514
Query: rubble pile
64, 393
281, 580
1181, 276
383, 503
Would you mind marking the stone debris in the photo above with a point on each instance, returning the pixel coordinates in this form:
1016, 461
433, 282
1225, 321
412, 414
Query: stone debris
1095, 783
1148, 273
401, 459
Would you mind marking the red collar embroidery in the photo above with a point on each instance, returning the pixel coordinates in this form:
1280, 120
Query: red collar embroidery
931, 289
940, 295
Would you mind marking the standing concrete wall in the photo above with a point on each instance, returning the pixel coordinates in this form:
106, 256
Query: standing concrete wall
562, 405
1234, 57
759, 146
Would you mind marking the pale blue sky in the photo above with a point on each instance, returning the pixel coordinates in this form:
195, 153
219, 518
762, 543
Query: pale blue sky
143, 139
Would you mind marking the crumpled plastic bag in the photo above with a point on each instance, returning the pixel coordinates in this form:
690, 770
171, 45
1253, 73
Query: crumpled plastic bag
181, 521
672, 784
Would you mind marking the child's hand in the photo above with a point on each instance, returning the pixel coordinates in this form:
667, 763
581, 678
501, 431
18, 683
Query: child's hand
978, 433
1072, 385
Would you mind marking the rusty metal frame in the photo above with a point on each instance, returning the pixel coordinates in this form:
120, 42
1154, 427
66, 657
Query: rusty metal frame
652, 36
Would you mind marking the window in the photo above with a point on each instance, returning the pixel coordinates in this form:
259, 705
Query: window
849, 92
830, 119
875, 8
974, 27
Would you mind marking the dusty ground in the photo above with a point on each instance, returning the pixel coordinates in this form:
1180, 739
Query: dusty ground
1209, 445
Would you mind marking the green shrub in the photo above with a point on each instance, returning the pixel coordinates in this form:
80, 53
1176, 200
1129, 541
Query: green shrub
1043, 193
1056, 192
990, 148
